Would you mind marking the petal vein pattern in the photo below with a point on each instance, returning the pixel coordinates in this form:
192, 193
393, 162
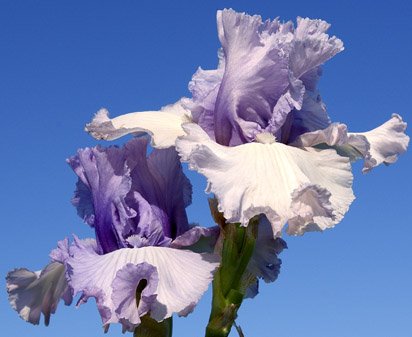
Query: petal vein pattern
311, 188
183, 277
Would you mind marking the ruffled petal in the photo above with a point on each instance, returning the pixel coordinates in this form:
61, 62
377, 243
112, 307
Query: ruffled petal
126, 284
129, 198
183, 277
387, 142
105, 173
256, 75
312, 46
163, 126
311, 188
204, 87
34, 293
381, 145
334, 134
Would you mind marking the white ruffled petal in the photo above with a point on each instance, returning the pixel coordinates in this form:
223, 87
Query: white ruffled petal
381, 145
311, 188
387, 142
183, 277
163, 126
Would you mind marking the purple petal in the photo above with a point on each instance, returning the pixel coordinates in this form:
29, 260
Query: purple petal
311, 117
203, 237
124, 292
265, 263
256, 75
160, 180
105, 173
83, 201
149, 229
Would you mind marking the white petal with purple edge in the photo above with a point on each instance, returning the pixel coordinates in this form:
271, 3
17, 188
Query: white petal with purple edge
163, 126
33, 293
310, 188
183, 277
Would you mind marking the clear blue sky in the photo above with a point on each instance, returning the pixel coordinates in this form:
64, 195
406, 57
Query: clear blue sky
60, 61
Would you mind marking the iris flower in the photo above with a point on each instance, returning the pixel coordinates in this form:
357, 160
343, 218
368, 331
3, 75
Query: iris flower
257, 128
136, 206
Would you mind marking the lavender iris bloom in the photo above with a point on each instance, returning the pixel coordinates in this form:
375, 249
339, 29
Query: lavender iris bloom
259, 131
136, 206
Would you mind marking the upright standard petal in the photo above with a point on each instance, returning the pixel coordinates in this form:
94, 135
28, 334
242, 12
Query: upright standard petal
256, 75
174, 281
159, 178
34, 293
309, 188
105, 174
312, 46
163, 126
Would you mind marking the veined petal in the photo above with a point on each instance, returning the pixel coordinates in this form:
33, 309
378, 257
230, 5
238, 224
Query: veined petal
310, 188
163, 126
127, 279
34, 293
183, 277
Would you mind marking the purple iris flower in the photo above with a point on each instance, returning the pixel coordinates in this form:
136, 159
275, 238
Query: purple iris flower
136, 206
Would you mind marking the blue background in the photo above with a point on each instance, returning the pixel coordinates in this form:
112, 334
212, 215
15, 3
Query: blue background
63, 60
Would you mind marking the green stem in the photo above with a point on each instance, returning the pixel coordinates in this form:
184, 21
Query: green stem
228, 287
149, 327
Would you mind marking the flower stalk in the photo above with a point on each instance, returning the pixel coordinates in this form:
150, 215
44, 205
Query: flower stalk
148, 326
151, 328
229, 284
